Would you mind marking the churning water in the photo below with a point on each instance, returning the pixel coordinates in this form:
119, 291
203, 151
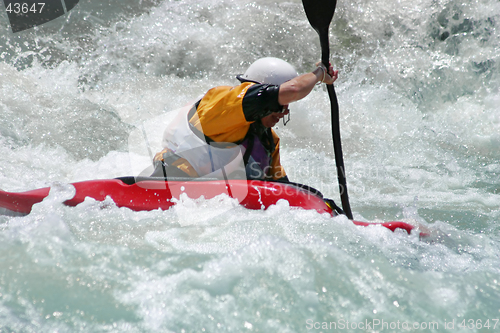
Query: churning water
83, 96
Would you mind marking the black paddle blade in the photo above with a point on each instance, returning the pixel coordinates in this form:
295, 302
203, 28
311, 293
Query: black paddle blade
320, 15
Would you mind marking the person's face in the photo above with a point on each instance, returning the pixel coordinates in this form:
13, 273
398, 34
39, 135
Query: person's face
272, 119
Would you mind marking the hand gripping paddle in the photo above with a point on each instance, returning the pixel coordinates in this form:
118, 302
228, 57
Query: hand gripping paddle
320, 14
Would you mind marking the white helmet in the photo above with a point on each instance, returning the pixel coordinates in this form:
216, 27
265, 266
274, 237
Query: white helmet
269, 70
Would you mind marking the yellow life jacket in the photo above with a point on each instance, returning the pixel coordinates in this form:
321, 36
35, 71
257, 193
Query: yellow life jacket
213, 135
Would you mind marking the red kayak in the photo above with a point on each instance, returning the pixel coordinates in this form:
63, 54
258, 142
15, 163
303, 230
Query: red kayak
151, 194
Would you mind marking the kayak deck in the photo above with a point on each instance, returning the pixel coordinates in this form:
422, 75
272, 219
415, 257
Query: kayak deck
150, 194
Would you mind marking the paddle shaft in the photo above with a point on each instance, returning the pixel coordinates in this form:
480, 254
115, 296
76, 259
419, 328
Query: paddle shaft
337, 147
320, 13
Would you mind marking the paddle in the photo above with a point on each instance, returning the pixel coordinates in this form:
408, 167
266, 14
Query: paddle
320, 14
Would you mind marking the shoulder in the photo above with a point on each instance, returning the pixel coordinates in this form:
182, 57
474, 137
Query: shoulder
233, 90
268, 91
261, 100
247, 90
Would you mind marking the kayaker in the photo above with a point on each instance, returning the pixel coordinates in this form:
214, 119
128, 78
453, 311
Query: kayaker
230, 121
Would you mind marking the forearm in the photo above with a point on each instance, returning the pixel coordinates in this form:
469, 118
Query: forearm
299, 87
302, 85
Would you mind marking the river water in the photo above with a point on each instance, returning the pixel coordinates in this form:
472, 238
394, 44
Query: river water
87, 96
